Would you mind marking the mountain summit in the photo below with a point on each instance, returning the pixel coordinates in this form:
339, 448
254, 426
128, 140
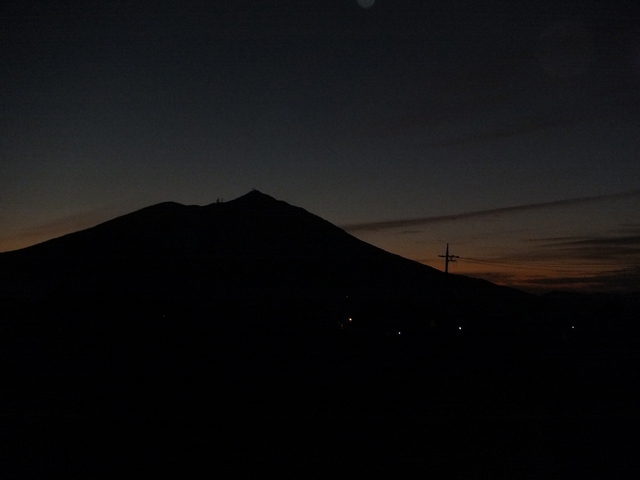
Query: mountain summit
254, 254
254, 267
254, 246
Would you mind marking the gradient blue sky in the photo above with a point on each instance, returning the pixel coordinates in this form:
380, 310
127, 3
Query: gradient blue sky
406, 111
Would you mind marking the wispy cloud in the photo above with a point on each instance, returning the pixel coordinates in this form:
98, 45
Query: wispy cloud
616, 248
523, 128
603, 242
611, 280
456, 109
412, 222
583, 263
622, 280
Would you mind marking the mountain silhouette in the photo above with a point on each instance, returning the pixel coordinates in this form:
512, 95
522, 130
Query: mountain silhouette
254, 267
252, 248
255, 330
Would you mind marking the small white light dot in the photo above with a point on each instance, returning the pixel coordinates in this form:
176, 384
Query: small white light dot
459, 328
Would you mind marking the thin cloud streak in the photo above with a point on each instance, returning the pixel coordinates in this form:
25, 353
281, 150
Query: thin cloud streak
526, 127
623, 280
410, 222
620, 248
632, 240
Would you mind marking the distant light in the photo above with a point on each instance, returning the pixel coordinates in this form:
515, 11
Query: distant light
572, 326
399, 333
459, 328
350, 319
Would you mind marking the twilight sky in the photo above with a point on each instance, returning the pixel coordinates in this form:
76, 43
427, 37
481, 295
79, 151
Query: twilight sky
509, 129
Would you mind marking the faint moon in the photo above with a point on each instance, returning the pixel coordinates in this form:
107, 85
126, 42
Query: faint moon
366, 3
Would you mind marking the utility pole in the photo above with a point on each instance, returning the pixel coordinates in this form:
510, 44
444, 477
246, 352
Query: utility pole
448, 258
445, 313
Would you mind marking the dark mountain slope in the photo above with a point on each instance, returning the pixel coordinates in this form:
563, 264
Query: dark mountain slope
254, 247
210, 334
254, 268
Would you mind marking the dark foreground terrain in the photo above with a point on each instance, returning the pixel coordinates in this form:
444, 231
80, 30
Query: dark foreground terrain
254, 339
446, 404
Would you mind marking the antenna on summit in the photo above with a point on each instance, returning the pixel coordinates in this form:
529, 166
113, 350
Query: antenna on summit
448, 258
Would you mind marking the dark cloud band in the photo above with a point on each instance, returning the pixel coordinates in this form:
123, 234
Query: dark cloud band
410, 222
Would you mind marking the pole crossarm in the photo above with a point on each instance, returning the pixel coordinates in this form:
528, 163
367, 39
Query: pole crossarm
448, 258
